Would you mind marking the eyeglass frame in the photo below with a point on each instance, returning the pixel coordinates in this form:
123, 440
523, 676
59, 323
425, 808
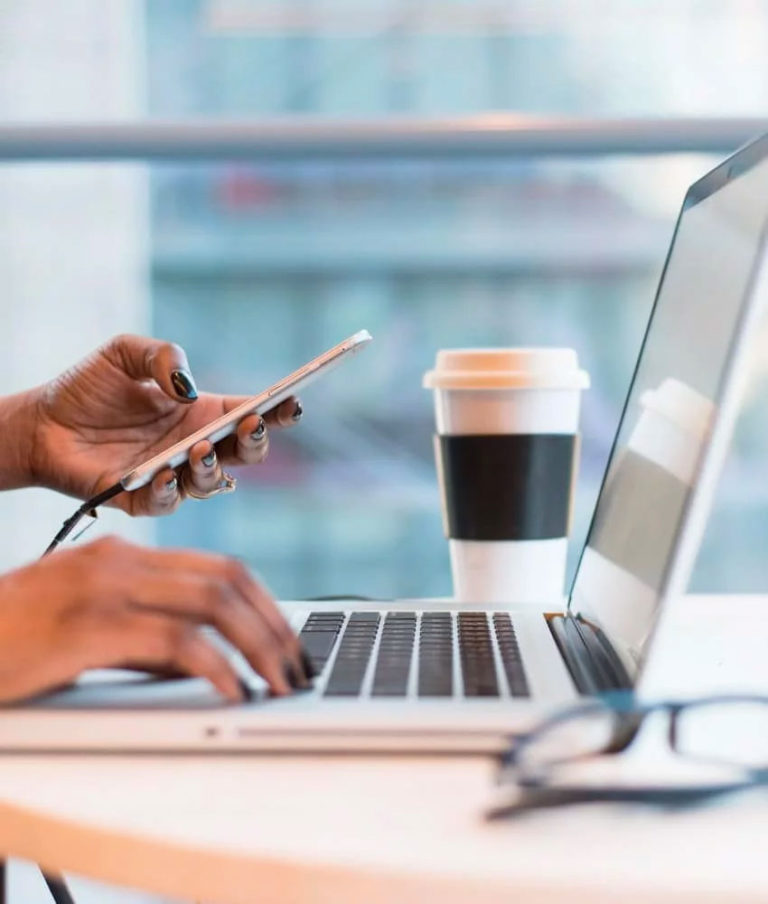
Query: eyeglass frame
624, 703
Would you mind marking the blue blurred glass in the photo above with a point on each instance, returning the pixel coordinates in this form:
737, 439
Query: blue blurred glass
257, 268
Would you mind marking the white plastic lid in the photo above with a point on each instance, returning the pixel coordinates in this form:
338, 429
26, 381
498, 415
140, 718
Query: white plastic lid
680, 404
506, 368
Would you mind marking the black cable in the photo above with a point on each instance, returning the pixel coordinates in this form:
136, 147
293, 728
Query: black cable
348, 597
87, 508
56, 885
58, 889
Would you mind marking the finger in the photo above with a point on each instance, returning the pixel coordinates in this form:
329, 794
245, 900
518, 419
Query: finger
235, 573
232, 452
169, 643
287, 413
251, 441
143, 358
160, 497
204, 470
248, 445
213, 601
262, 602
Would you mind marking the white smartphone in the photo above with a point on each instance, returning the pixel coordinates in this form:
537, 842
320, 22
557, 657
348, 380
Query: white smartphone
177, 454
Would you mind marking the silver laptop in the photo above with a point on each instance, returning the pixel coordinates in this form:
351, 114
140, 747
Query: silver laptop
431, 675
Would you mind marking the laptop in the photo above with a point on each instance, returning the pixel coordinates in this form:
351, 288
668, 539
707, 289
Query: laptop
433, 675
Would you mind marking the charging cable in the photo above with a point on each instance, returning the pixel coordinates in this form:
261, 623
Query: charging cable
87, 508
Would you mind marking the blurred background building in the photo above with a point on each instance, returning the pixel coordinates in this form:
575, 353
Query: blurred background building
256, 266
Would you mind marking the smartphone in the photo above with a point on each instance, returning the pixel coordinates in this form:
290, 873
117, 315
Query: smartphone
177, 454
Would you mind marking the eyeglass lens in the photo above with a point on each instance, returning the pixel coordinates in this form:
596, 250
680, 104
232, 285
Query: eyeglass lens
583, 734
724, 731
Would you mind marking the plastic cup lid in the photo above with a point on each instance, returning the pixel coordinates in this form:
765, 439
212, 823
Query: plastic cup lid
680, 404
506, 368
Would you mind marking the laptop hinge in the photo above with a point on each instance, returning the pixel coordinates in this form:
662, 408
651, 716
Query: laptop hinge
591, 660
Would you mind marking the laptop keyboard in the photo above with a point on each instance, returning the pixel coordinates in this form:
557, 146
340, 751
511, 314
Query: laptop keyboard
429, 654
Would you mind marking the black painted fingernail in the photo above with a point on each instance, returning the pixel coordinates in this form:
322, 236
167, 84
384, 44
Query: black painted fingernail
259, 432
209, 459
171, 484
184, 385
289, 673
246, 690
297, 412
309, 669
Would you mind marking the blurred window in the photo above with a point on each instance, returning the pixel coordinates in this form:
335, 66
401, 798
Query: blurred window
255, 268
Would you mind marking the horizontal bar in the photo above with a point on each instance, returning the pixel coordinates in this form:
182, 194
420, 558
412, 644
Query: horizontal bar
305, 139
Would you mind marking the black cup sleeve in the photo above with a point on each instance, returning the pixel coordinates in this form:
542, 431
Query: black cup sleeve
507, 487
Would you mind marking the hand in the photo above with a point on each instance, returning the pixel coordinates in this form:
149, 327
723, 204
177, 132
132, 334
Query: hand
110, 603
129, 400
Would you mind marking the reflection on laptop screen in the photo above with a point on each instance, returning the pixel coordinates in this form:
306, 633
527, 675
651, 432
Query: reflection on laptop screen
671, 404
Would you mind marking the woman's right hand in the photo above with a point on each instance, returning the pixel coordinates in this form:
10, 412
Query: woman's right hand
111, 603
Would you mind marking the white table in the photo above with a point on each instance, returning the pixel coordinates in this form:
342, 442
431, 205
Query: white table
237, 829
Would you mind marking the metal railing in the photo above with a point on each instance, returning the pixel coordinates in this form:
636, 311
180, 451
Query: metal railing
488, 135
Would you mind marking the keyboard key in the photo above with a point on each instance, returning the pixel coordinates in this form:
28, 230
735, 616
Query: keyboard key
394, 660
318, 636
510, 655
476, 656
436, 655
318, 644
354, 652
325, 617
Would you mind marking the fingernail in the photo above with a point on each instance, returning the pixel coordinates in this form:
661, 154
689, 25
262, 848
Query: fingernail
184, 385
289, 672
304, 676
297, 412
171, 484
209, 459
309, 669
259, 432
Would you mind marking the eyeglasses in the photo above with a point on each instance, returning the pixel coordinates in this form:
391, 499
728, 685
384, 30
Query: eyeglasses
728, 731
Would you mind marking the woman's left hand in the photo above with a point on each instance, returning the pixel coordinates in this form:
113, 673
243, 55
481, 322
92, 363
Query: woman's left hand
129, 400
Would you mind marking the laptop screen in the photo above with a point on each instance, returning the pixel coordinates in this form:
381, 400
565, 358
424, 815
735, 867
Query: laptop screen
672, 400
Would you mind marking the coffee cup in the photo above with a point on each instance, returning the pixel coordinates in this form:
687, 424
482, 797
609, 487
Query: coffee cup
506, 448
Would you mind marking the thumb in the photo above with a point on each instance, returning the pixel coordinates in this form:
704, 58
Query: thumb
166, 363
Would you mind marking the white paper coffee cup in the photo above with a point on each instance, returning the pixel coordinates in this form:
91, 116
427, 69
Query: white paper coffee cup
506, 448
